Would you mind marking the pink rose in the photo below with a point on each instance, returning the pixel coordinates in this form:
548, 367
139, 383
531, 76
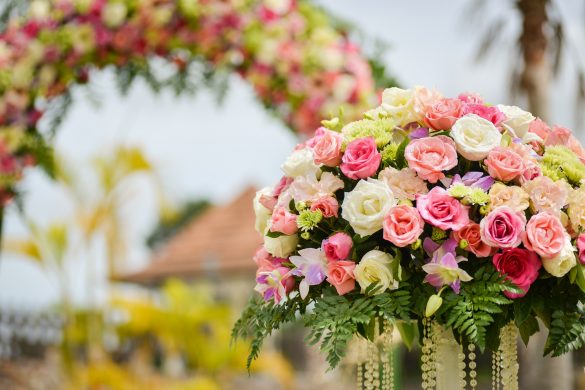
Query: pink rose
337, 247
503, 227
442, 210
328, 206
581, 248
531, 171
490, 113
265, 261
402, 225
326, 147
361, 158
283, 222
470, 233
544, 235
520, 266
341, 276
540, 128
443, 114
564, 136
268, 201
282, 185
430, 156
470, 98
504, 164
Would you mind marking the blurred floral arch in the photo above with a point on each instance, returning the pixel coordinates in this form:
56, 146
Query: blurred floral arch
299, 61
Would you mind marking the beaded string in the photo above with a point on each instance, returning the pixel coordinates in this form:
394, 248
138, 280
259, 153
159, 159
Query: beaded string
509, 357
386, 358
461, 365
472, 365
426, 358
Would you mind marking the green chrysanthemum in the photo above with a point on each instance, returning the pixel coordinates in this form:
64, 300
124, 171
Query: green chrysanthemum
459, 190
559, 162
438, 234
307, 219
478, 196
389, 153
381, 129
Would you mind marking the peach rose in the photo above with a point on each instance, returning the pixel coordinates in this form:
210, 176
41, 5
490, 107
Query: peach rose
544, 235
470, 233
512, 196
504, 164
430, 156
402, 225
405, 184
424, 98
341, 275
326, 147
443, 113
547, 195
328, 206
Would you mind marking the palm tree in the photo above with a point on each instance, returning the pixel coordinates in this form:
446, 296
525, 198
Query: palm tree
95, 217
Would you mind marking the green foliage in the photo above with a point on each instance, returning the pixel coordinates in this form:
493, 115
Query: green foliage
259, 319
567, 331
472, 311
336, 319
334, 322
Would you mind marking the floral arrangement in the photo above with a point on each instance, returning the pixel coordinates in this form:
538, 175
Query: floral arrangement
428, 211
300, 64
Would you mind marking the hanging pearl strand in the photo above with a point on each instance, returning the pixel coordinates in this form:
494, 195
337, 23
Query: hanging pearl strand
461, 365
509, 357
472, 365
496, 370
387, 379
427, 365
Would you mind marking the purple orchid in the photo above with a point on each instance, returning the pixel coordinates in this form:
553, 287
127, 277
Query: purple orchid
470, 179
419, 132
312, 264
443, 267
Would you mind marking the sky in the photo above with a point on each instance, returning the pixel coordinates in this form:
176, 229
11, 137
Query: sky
202, 150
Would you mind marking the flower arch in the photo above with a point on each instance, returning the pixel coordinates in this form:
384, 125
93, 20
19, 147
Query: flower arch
301, 64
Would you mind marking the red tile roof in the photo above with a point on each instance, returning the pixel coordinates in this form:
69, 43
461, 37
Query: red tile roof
221, 241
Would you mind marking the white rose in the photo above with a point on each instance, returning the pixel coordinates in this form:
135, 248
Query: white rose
475, 137
262, 213
399, 103
561, 264
375, 267
282, 246
365, 207
114, 14
300, 163
517, 120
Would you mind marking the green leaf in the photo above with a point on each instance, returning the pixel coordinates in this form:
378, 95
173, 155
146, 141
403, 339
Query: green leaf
522, 309
400, 160
580, 280
408, 333
528, 327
